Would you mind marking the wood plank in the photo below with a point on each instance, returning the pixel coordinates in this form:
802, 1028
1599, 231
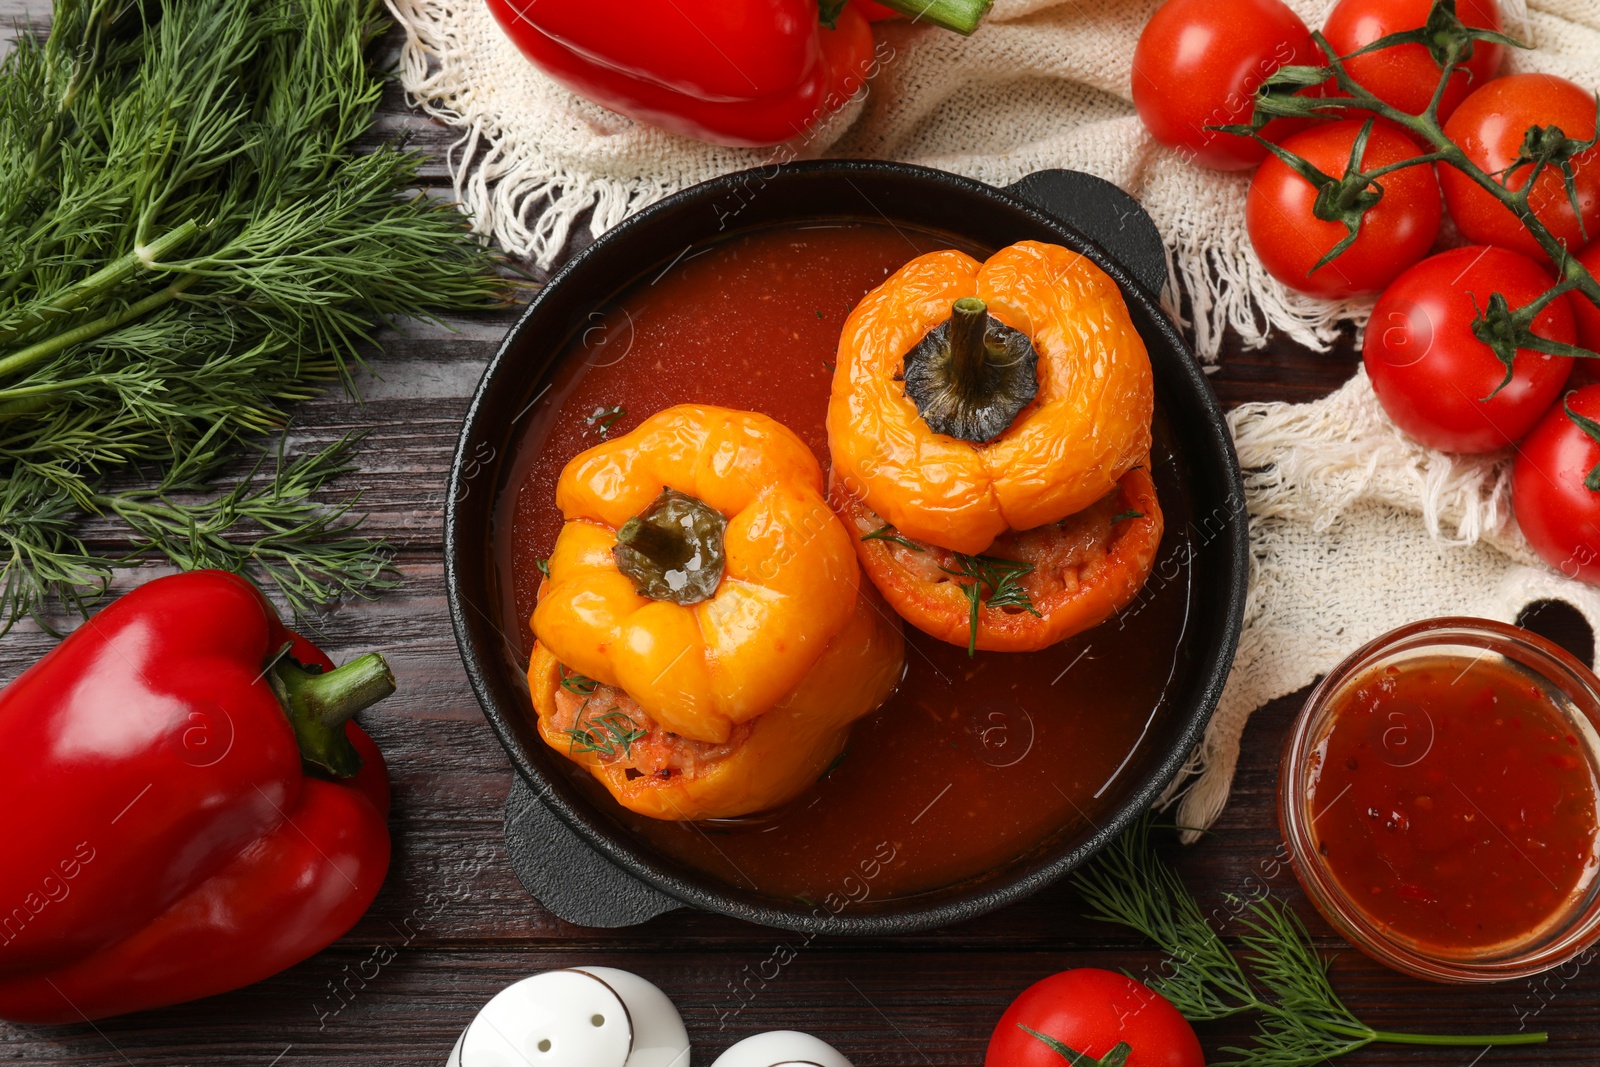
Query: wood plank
460, 926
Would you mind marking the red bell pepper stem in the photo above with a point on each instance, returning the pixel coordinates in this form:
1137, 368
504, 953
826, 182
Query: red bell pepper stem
319, 704
961, 16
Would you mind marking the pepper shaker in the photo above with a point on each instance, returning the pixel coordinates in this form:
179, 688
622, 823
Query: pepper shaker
577, 1017
782, 1048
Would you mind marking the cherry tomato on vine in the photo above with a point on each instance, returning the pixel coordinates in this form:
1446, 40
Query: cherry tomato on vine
1091, 1011
1432, 374
1395, 232
1558, 513
1490, 126
1406, 76
1199, 62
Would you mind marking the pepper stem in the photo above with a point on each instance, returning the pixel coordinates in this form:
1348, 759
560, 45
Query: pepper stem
971, 374
961, 16
660, 547
319, 704
969, 355
673, 550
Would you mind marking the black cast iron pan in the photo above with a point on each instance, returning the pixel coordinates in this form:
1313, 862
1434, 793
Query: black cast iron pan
568, 854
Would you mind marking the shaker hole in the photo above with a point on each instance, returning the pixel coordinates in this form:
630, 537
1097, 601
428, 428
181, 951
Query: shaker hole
544, 1044
597, 1020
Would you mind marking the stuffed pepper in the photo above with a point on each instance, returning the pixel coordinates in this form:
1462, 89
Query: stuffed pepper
702, 641
990, 431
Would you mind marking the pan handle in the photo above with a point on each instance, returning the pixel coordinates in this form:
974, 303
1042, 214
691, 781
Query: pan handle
567, 876
1106, 215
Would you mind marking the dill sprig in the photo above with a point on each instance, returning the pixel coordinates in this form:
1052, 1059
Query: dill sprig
1001, 577
580, 684
1280, 975
887, 532
609, 736
603, 418
190, 238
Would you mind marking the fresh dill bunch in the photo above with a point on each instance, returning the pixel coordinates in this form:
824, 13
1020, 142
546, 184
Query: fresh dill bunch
1280, 975
191, 238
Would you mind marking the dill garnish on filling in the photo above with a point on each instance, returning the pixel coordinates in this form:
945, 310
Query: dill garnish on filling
1003, 580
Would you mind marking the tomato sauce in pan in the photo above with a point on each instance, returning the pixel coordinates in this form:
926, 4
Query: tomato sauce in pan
973, 762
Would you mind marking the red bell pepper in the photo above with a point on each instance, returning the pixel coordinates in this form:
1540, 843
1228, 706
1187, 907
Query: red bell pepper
734, 72
190, 809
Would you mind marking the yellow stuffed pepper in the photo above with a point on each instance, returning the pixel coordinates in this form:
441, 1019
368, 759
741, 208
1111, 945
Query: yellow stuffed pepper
703, 644
990, 431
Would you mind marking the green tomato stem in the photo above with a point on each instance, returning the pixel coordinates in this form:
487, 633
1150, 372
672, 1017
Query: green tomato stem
1427, 127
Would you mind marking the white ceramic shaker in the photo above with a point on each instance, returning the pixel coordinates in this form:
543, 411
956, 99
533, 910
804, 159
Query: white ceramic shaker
579, 1017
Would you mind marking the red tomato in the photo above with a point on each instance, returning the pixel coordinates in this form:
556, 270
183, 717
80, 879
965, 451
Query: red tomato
1091, 1011
1559, 516
1583, 309
1199, 63
1431, 374
1395, 233
1406, 76
1490, 126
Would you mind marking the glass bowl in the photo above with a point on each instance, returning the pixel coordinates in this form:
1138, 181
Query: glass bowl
1562, 682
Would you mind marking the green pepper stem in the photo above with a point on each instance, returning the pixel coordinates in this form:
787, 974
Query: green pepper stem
651, 541
338, 696
962, 16
673, 550
969, 326
319, 705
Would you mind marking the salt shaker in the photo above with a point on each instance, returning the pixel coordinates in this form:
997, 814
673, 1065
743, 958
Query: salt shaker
578, 1017
782, 1048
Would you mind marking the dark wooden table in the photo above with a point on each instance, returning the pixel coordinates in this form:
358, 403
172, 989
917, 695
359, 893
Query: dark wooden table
459, 926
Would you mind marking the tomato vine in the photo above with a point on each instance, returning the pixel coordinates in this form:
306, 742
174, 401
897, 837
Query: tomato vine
1348, 197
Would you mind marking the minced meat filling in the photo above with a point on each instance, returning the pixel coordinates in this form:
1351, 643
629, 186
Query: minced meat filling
610, 724
1065, 555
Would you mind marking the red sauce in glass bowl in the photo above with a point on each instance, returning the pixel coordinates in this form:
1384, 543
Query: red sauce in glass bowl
1453, 803
974, 761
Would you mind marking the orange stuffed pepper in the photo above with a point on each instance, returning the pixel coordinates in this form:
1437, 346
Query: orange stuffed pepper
703, 640
990, 431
